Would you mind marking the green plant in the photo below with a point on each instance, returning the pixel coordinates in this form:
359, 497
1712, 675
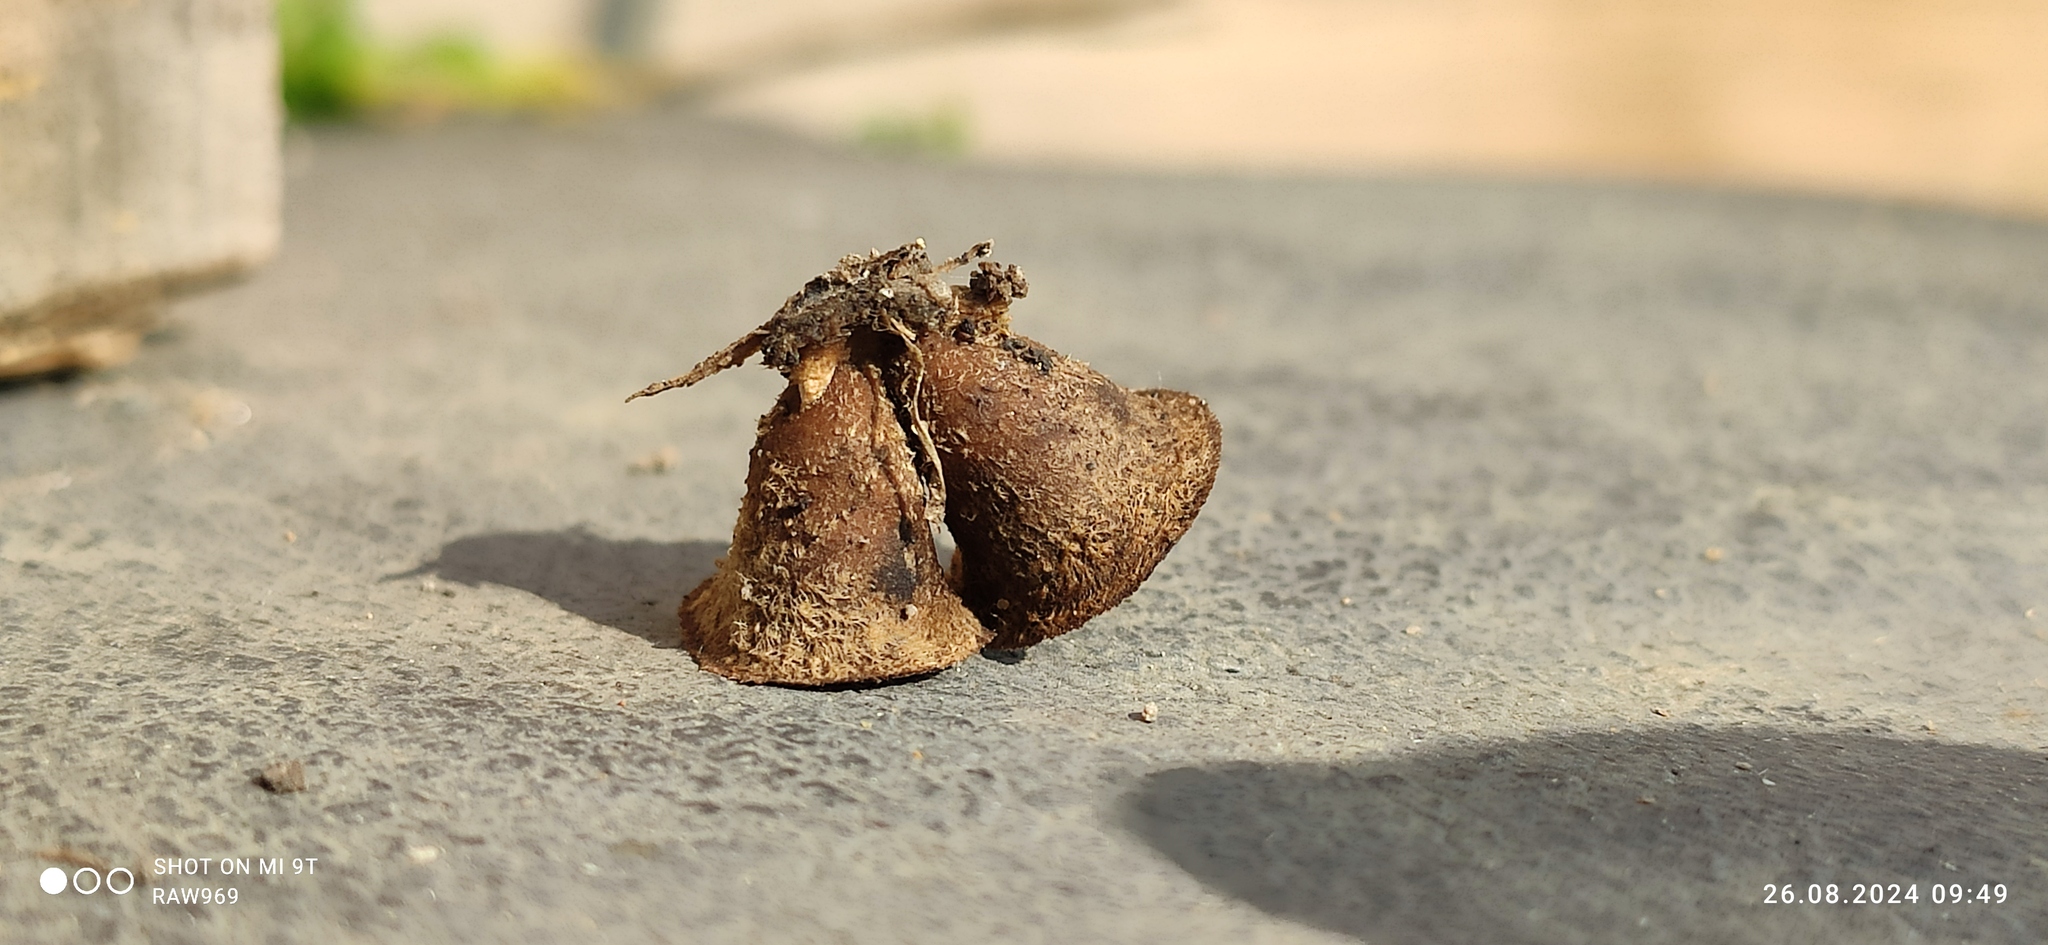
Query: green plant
332, 69
323, 59
456, 72
943, 131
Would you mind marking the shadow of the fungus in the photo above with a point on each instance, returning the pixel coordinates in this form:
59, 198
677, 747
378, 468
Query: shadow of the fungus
634, 585
1660, 836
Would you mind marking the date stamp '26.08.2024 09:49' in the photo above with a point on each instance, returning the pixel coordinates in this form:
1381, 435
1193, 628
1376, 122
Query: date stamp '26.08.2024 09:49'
1885, 894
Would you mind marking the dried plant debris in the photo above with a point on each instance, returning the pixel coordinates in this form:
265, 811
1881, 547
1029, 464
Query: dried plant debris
1066, 490
73, 856
900, 292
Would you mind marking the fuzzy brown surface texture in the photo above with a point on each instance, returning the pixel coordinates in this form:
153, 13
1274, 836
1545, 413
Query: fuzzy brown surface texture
832, 576
1064, 489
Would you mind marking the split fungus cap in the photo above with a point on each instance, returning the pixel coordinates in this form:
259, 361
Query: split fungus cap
832, 576
1064, 490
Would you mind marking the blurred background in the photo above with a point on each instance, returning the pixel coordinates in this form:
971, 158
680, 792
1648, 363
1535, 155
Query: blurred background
1935, 99
139, 141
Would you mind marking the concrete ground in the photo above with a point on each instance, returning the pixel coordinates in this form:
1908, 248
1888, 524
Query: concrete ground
1588, 563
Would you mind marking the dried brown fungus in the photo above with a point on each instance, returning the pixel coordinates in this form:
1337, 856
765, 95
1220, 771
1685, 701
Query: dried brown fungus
1065, 489
910, 398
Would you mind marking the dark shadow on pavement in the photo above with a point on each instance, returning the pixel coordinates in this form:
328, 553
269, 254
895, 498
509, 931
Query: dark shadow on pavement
633, 586
1658, 836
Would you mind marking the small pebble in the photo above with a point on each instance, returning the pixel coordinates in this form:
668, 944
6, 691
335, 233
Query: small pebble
1742, 766
1713, 554
422, 855
283, 777
657, 462
1412, 630
1148, 714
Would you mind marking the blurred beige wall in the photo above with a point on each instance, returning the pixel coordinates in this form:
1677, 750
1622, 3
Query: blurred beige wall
691, 38
1931, 99
1927, 99
518, 27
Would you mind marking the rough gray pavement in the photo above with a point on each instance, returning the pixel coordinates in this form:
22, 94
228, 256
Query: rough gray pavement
1447, 659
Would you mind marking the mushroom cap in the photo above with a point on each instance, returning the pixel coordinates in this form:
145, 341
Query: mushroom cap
832, 576
1064, 490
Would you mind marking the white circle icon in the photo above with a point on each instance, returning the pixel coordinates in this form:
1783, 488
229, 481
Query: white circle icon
78, 881
53, 880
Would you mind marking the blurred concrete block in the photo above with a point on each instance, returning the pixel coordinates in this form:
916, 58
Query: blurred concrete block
138, 157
